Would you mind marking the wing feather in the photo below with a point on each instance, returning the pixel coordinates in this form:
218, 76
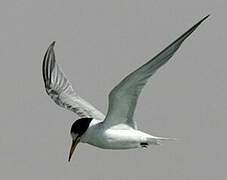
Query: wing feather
123, 98
60, 89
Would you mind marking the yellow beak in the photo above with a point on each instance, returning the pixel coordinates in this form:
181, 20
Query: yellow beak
73, 146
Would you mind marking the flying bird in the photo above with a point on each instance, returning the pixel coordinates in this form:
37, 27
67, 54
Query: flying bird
117, 129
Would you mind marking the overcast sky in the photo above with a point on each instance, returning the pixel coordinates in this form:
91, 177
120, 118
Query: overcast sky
97, 44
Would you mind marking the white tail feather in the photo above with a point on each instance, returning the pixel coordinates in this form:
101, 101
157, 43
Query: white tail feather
166, 138
157, 140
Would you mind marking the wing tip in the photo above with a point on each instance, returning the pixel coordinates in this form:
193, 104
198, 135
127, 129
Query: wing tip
47, 65
52, 44
203, 19
190, 31
197, 24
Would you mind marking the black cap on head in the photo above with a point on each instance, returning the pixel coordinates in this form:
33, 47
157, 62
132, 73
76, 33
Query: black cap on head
80, 126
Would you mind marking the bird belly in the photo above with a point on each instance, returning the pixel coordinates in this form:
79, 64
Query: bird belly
115, 139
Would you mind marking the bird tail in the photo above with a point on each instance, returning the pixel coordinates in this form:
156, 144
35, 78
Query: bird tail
157, 140
166, 138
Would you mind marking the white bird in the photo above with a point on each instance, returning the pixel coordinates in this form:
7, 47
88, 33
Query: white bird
116, 130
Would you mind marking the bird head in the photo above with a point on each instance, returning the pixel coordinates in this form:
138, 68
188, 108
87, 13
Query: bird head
78, 128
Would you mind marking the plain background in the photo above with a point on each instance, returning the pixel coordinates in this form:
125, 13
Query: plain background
97, 44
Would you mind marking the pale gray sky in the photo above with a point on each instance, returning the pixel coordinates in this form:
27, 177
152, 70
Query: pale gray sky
97, 44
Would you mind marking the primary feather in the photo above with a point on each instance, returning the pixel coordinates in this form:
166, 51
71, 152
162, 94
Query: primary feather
60, 89
123, 98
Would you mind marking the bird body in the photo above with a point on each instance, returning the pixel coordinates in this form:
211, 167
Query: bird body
117, 129
118, 137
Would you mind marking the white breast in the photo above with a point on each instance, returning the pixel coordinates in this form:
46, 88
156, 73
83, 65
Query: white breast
98, 136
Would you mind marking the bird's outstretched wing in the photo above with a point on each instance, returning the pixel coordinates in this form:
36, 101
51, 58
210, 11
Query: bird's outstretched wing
60, 89
123, 97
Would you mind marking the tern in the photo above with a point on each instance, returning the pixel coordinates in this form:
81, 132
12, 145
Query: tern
118, 129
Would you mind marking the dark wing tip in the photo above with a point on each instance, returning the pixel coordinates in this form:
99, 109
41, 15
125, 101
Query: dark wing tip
208, 15
52, 44
48, 64
197, 24
203, 19
190, 31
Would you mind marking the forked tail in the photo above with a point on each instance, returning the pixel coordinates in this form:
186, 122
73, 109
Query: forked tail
157, 140
166, 138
